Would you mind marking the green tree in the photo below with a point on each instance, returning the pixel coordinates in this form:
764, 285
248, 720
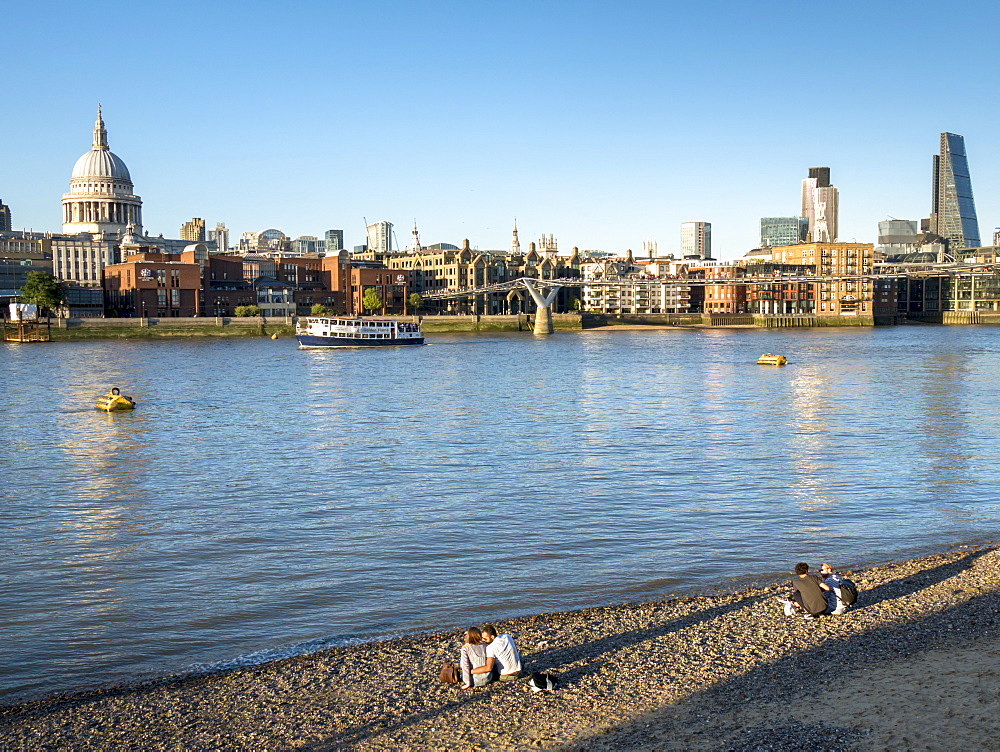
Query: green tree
246, 310
415, 302
371, 300
40, 288
319, 309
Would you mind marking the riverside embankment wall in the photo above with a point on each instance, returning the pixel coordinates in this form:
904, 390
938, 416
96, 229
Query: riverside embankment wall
150, 328
772, 321
518, 323
726, 320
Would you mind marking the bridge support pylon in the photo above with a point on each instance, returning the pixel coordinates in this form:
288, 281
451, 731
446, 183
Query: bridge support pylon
543, 312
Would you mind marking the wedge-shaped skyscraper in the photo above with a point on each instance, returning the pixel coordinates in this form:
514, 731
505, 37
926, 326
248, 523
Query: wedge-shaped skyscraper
953, 210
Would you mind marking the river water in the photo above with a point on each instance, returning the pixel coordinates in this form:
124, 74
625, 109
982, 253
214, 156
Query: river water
264, 500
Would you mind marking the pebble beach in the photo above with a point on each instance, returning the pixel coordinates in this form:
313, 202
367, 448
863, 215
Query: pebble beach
913, 666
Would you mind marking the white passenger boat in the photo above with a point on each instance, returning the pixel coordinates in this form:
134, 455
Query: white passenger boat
326, 331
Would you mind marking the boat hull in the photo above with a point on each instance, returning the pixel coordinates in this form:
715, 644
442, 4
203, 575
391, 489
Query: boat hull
311, 341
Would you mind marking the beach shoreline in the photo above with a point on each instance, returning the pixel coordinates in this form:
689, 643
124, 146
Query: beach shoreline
722, 671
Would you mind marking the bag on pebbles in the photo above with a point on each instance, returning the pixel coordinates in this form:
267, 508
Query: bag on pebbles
848, 592
449, 673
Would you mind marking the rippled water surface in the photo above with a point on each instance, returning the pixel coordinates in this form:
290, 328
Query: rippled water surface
264, 500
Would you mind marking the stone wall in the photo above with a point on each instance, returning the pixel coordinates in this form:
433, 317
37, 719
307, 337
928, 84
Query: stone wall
476, 323
955, 317
593, 320
132, 328
149, 328
781, 322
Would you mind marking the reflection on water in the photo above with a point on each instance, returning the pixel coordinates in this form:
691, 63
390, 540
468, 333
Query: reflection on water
943, 424
811, 451
262, 499
105, 450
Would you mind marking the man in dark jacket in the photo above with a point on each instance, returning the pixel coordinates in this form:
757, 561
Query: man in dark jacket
809, 589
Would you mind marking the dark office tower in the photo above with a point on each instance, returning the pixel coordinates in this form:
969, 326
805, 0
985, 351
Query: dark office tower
4, 217
953, 210
821, 175
334, 240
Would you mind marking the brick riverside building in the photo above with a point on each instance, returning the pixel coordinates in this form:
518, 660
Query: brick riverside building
345, 282
725, 298
390, 286
836, 297
193, 283
153, 284
782, 296
224, 287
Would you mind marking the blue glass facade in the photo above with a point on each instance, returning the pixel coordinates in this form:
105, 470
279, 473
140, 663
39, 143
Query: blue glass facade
779, 231
953, 209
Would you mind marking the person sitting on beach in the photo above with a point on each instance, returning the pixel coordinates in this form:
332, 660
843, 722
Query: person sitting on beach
501, 655
831, 579
808, 595
473, 657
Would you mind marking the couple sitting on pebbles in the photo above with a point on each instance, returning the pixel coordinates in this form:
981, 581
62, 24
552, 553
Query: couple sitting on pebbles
488, 657
816, 594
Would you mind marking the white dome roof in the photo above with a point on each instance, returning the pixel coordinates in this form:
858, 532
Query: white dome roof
101, 163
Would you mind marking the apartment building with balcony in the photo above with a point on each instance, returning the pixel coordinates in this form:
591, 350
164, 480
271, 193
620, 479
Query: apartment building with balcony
779, 289
616, 286
727, 296
835, 263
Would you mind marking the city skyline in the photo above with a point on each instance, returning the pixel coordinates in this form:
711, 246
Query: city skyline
567, 122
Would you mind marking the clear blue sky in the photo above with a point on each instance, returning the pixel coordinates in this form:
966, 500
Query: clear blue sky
602, 123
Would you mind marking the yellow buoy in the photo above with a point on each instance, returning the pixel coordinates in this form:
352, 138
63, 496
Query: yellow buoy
114, 401
769, 359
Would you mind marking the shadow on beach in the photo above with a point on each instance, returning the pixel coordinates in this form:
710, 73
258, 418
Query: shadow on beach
785, 677
593, 653
793, 677
670, 668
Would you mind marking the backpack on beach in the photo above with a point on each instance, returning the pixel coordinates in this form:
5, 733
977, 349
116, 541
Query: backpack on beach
848, 592
449, 673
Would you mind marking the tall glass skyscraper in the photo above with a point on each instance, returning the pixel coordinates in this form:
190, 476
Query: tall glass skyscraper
380, 237
953, 210
696, 239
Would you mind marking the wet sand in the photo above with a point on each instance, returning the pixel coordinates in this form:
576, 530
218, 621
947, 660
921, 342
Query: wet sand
914, 666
